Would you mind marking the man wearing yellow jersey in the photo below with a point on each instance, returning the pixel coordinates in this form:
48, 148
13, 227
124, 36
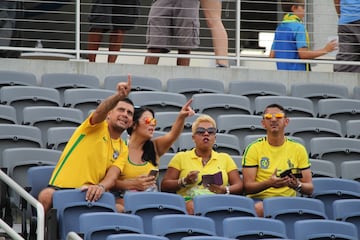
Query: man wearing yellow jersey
95, 153
266, 158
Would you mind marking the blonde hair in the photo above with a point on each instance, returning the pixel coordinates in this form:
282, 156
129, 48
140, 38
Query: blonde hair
200, 119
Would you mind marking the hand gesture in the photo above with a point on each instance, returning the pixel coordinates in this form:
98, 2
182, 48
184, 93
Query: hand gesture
331, 46
123, 89
186, 110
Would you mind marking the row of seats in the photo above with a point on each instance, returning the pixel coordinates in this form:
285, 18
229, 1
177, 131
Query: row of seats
180, 85
322, 205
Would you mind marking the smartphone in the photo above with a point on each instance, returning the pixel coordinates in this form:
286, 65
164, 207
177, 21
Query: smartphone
154, 172
294, 171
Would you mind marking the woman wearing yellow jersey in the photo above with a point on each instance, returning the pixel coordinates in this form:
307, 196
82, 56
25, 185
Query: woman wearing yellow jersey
145, 152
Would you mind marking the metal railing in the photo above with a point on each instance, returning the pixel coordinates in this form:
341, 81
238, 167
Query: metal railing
30, 199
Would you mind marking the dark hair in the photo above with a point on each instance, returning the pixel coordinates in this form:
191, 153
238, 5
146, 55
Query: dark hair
148, 147
127, 100
287, 4
275, 105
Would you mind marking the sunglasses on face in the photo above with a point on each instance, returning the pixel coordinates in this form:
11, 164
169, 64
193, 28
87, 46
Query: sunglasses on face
210, 131
275, 115
150, 120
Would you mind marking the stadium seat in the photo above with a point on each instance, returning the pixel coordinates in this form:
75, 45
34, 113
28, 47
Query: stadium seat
317, 91
249, 228
308, 128
57, 137
165, 120
215, 104
347, 210
292, 209
240, 126
138, 83
85, 99
253, 89
159, 101
149, 204
335, 149
47, 117
63, 81
352, 129
17, 78
330, 189
218, 207
340, 109
135, 236
324, 229
23, 96
356, 92
322, 168
70, 204
191, 86
350, 170
99, 225
294, 106
177, 226
7, 115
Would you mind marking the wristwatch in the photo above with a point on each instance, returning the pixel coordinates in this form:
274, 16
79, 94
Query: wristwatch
227, 190
299, 187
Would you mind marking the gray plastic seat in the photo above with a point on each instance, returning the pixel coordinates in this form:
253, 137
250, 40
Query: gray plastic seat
350, 170
7, 114
322, 168
57, 137
191, 86
138, 83
356, 92
165, 120
352, 128
13, 78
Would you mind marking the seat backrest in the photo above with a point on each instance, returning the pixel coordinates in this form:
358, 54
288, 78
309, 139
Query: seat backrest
291, 209
340, 109
322, 168
352, 129
38, 178
294, 106
148, 204
253, 228
23, 96
176, 226
218, 207
317, 91
330, 189
324, 229
13, 78
356, 92
204, 238
350, 170
165, 120
57, 137
85, 99
138, 83
214, 104
47, 117
7, 114
308, 128
227, 143
335, 149
135, 236
63, 81
253, 89
159, 101
240, 126
99, 225
14, 136
347, 210
191, 86
70, 204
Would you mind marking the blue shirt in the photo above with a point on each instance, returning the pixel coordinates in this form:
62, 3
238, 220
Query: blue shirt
289, 37
350, 11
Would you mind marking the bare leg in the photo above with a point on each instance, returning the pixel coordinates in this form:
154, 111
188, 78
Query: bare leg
116, 39
120, 205
259, 209
183, 61
212, 12
190, 207
150, 59
95, 36
45, 198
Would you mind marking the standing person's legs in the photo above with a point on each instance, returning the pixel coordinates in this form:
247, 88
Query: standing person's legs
116, 39
212, 11
94, 39
151, 59
183, 61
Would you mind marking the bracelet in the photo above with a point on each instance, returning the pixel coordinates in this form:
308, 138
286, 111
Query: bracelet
227, 189
299, 187
181, 182
103, 187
